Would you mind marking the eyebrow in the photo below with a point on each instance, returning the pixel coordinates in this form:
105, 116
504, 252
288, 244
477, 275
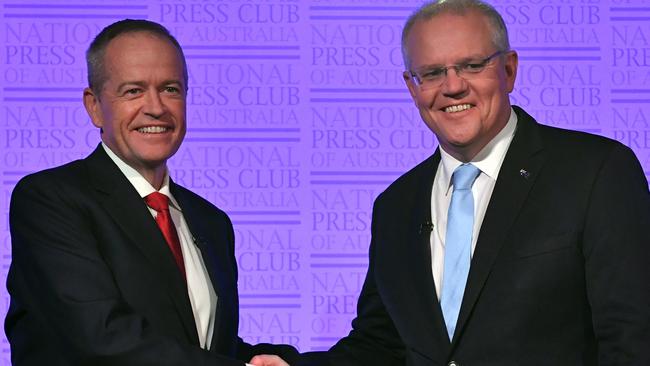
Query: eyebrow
172, 81
142, 84
459, 62
130, 83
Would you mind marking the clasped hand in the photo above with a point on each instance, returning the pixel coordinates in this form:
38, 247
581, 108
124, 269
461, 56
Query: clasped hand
267, 360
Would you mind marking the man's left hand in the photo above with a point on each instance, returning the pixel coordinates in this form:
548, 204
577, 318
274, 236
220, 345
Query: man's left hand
267, 360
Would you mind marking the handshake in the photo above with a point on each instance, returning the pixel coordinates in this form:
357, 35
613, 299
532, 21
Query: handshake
267, 360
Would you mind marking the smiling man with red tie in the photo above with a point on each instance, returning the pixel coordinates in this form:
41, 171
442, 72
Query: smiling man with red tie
114, 263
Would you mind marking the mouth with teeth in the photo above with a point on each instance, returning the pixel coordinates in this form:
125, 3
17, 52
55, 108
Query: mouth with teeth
153, 129
457, 108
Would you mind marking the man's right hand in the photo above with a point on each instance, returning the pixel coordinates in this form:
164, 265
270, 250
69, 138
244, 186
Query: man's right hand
267, 360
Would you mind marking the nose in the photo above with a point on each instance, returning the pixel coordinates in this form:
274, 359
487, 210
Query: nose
453, 85
154, 106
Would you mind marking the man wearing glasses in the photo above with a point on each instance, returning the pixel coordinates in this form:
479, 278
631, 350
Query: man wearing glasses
515, 243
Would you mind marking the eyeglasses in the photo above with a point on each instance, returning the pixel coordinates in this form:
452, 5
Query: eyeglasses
434, 77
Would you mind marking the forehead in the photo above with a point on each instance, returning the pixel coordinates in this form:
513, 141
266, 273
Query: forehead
449, 37
141, 51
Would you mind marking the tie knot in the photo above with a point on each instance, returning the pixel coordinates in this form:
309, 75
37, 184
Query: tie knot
464, 176
158, 201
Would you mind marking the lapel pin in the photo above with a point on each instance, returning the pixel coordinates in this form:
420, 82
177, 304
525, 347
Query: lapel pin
524, 173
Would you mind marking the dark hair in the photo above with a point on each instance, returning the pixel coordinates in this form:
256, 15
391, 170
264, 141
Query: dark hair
460, 7
95, 54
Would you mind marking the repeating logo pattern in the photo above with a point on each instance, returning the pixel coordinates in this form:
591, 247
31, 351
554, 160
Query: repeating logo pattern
298, 118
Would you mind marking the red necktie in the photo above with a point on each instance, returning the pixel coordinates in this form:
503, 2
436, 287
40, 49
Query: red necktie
160, 203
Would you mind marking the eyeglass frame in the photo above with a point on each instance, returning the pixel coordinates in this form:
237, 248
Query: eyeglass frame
413, 75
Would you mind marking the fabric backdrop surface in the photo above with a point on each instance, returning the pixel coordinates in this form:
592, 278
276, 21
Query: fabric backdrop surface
298, 118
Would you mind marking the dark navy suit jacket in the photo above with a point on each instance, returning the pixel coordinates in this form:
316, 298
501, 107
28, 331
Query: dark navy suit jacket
92, 281
560, 274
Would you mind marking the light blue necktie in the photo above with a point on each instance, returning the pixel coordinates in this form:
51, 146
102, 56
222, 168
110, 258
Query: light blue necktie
458, 244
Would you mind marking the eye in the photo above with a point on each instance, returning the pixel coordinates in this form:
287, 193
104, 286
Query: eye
172, 89
132, 91
433, 73
473, 66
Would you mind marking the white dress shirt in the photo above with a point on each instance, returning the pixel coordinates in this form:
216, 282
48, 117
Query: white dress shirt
489, 162
202, 296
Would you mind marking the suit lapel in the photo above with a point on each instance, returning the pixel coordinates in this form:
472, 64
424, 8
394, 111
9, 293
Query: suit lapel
426, 300
126, 207
520, 168
215, 262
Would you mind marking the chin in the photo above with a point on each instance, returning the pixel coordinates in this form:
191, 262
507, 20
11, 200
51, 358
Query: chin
461, 137
154, 159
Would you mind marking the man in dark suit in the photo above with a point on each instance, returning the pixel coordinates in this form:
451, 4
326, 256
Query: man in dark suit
515, 243
113, 263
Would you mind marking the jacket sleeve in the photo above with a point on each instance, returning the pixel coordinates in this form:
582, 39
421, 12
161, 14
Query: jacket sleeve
62, 290
373, 339
617, 260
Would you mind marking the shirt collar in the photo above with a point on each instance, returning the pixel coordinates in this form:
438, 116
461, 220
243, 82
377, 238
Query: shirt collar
488, 160
141, 185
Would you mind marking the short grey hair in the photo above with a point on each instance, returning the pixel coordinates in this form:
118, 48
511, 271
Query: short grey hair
458, 7
96, 52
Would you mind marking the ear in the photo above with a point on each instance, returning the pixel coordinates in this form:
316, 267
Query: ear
91, 102
410, 85
511, 62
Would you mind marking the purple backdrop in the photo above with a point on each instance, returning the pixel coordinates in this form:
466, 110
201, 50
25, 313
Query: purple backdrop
298, 118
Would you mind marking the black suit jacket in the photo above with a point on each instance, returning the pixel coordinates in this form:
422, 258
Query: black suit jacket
92, 281
560, 274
